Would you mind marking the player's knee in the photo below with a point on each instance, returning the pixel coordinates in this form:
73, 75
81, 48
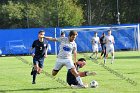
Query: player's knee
36, 67
54, 72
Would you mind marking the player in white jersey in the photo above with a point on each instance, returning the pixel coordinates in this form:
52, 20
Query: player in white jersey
64, 58
95, 41
109, 46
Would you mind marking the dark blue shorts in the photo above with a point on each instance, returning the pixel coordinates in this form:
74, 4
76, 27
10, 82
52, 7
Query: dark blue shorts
103, 47
39, 61
71, 79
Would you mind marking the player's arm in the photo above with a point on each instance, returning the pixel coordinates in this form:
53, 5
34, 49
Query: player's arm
32, 49
99, 40
106, 40
32, 52
46, 52
113, 40
75, 54
86, 73
50, 38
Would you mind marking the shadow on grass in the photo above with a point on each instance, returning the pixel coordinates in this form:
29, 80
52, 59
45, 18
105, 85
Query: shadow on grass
33, 89
127, 57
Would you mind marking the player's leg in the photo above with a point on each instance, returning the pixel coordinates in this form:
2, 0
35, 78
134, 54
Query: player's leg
96, 56
71, 79
41, 64
36, 67
107, 52
93, 52
104, 49
76, 74
57, 67
54, 72
112, 54
102, 52
69, 64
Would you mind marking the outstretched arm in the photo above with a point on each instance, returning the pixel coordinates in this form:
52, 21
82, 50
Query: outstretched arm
50, 38
86, 73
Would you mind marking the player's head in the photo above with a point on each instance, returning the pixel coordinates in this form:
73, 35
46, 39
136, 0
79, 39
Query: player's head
81, 62
95, 34
109, 32
72, 35
41, 34
103, 34
62, 34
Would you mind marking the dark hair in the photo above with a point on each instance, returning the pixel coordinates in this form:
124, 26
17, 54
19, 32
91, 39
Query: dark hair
41, 31
72, 33
95, 32
62, 33
81, 59
108, 30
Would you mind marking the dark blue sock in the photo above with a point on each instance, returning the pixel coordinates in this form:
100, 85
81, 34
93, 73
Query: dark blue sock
34, 75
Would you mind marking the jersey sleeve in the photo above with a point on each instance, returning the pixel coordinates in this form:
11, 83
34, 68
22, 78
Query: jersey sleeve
60, 39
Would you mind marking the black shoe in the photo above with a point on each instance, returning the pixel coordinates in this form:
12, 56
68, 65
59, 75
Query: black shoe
91, 58
33, 82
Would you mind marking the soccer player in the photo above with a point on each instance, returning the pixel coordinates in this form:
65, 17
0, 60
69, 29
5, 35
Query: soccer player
103, 46
64, 58
109, 46
62, 34
41, 46
71, 80
95, 41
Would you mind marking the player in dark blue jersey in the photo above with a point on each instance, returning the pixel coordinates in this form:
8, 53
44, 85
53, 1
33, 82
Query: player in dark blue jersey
71, 79
103, 46
41, 46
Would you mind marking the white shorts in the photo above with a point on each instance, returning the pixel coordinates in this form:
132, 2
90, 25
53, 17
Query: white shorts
63, 62
109, 49
94, 48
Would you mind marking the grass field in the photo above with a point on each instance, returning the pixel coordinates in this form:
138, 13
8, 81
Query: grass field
15, 75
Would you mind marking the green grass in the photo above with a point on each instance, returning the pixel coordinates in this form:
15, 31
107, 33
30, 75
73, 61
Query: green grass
15, 75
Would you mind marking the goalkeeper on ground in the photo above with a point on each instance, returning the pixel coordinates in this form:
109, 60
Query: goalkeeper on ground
71, 80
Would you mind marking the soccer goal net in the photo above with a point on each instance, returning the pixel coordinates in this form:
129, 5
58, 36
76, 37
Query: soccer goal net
127, 37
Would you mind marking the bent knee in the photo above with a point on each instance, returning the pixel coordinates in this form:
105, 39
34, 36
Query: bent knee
54, 72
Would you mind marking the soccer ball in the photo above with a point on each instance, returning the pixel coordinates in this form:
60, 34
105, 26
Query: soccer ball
93, 84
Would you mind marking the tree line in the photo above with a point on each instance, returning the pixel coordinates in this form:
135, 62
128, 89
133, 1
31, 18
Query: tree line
61, 13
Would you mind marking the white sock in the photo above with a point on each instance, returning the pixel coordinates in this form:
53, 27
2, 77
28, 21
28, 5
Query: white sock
112, 59
79, 80
104, 60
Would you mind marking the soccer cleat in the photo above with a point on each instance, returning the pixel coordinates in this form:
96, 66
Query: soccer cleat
91, 58
78, 86
33, 82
